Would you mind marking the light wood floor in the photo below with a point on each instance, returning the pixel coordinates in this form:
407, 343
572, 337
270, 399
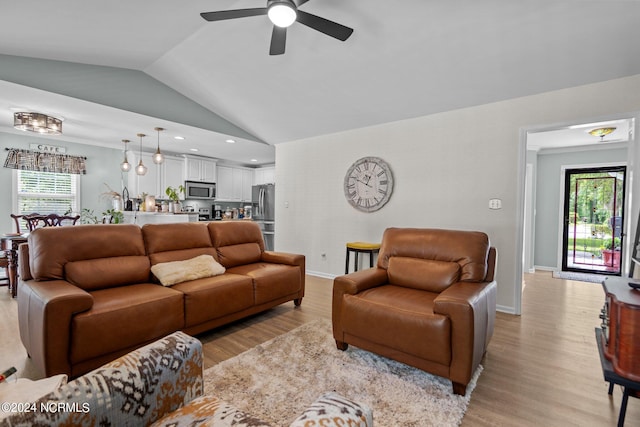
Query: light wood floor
541, 369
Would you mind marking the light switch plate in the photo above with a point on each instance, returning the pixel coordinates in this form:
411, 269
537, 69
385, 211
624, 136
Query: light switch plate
495, 204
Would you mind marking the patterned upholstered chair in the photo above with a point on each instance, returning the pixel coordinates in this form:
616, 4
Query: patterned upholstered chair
161, 385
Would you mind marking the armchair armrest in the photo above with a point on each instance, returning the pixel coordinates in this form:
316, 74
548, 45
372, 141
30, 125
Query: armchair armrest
45, 310
351, 284
136, 389
471, 306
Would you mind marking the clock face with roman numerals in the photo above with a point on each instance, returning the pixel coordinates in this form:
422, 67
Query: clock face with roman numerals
368, 184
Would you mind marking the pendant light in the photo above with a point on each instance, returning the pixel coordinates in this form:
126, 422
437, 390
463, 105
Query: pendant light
141, 169
125, 166
158, 157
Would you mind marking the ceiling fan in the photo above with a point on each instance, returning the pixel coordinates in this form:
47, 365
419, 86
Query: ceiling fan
283, 13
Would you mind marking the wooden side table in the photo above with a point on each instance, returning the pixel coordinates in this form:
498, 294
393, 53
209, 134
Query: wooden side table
631, 388
358, 248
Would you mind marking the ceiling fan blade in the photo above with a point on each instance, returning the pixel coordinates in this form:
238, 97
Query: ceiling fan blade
300, 2
278, 40
232, 14
330, 28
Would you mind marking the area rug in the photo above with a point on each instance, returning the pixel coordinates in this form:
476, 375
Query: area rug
277, 380
580, 277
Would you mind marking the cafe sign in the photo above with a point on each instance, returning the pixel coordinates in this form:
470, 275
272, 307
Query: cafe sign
48, 148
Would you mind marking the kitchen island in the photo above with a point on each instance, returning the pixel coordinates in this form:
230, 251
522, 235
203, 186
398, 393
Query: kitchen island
142, 218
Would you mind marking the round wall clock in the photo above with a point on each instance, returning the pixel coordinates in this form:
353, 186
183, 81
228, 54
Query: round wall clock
368, 184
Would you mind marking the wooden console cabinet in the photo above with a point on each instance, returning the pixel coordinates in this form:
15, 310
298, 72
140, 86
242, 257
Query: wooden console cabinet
621, 327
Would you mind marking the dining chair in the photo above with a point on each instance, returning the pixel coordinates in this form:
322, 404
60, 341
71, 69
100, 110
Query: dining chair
17, 219
51, 220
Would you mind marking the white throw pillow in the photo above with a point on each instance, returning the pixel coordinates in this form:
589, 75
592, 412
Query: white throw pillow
170, 273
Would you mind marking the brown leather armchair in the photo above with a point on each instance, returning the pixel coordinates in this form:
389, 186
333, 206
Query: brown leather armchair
430, 302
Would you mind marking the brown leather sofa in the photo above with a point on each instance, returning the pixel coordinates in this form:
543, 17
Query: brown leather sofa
430, 302
87, 294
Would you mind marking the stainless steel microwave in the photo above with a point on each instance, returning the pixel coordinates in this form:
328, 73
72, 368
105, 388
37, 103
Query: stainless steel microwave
200, 190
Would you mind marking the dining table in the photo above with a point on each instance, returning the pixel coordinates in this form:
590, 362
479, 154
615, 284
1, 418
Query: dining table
10, 243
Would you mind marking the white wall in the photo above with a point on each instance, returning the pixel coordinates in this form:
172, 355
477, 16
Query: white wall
446, 168
103, 166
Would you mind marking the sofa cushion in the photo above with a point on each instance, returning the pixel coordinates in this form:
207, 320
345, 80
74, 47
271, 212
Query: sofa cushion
125, 317
271, 281
175, 236
236, 242
425, 274
214, 297
244, 253
403, 318
51, 248
94, 274
469, 249
170, 273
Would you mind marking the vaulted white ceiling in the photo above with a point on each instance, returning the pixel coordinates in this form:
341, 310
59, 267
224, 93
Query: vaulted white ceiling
405, 59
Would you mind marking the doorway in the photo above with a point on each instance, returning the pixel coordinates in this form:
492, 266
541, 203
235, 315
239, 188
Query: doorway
593, 220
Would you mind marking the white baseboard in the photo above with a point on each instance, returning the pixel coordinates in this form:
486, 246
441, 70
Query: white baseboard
321, 274
505, 309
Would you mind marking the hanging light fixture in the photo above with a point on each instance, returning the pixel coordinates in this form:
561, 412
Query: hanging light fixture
158, 157
601, 132
125, 166
37, 122
141, 169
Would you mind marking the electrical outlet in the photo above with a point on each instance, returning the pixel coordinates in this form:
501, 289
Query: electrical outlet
495, 204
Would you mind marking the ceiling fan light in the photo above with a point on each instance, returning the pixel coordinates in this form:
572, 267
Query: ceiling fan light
282, 14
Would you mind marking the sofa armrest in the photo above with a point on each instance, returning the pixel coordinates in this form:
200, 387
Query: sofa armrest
471, 307
351, 284
283, 258
136, 389
45, 310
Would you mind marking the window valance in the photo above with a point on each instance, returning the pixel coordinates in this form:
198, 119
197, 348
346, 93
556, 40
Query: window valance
44, 162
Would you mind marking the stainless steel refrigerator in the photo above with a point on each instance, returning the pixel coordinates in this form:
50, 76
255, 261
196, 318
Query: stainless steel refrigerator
263, 200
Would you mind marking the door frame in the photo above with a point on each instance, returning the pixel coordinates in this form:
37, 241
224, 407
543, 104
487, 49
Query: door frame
563, 179
633, 207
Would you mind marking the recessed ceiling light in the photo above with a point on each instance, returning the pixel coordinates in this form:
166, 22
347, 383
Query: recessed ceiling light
231, 141
193, 149
254, 160
178, 137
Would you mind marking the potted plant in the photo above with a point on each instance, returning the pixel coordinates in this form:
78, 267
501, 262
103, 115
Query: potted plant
611, 252
112, 216
174, 195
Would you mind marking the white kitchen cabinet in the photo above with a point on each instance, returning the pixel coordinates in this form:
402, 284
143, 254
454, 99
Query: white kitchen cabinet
148, 183
200, 169
158, 177
224, 184
265, 175
233, 184
172, 175
247, 182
